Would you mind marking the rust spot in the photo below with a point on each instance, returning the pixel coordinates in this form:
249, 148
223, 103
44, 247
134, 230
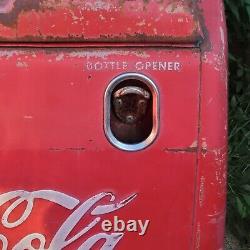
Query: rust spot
195, 37
198, 237
202, 191
204, 149
205, 42
10, 17
122, 2
16, 7
181, 150
21, 64
67, 149
76, 149
56, 149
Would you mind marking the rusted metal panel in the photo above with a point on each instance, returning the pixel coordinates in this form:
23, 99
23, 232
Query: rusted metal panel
110, 21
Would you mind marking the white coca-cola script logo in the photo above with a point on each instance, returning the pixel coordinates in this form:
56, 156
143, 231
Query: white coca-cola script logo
60, 240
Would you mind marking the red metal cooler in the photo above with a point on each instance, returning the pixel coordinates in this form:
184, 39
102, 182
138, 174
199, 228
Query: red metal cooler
113, 124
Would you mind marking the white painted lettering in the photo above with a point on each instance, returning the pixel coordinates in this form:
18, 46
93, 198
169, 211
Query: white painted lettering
112, 65
177, 66
170, 66
119, 225
162, 66
124, 65
4, 241
89, 66
98, 66
155, 66
132, 226
147, 65
138, 66
143, 226
106, 226
26, 242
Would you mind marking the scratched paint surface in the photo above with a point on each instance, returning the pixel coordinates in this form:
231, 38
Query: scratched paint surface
51, 108
210, 209
53, 121
64, 20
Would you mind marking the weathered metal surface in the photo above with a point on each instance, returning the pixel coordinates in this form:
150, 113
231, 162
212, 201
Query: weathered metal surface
210, 209
52, 138
110, 21
52, 115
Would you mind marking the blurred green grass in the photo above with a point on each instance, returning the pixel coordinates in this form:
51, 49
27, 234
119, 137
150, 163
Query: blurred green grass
238, 212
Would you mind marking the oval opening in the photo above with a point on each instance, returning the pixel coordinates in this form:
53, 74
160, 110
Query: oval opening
131, 111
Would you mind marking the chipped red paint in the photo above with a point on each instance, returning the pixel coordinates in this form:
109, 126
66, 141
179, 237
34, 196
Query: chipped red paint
51, 109
110, 21
209, 217
52, 133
